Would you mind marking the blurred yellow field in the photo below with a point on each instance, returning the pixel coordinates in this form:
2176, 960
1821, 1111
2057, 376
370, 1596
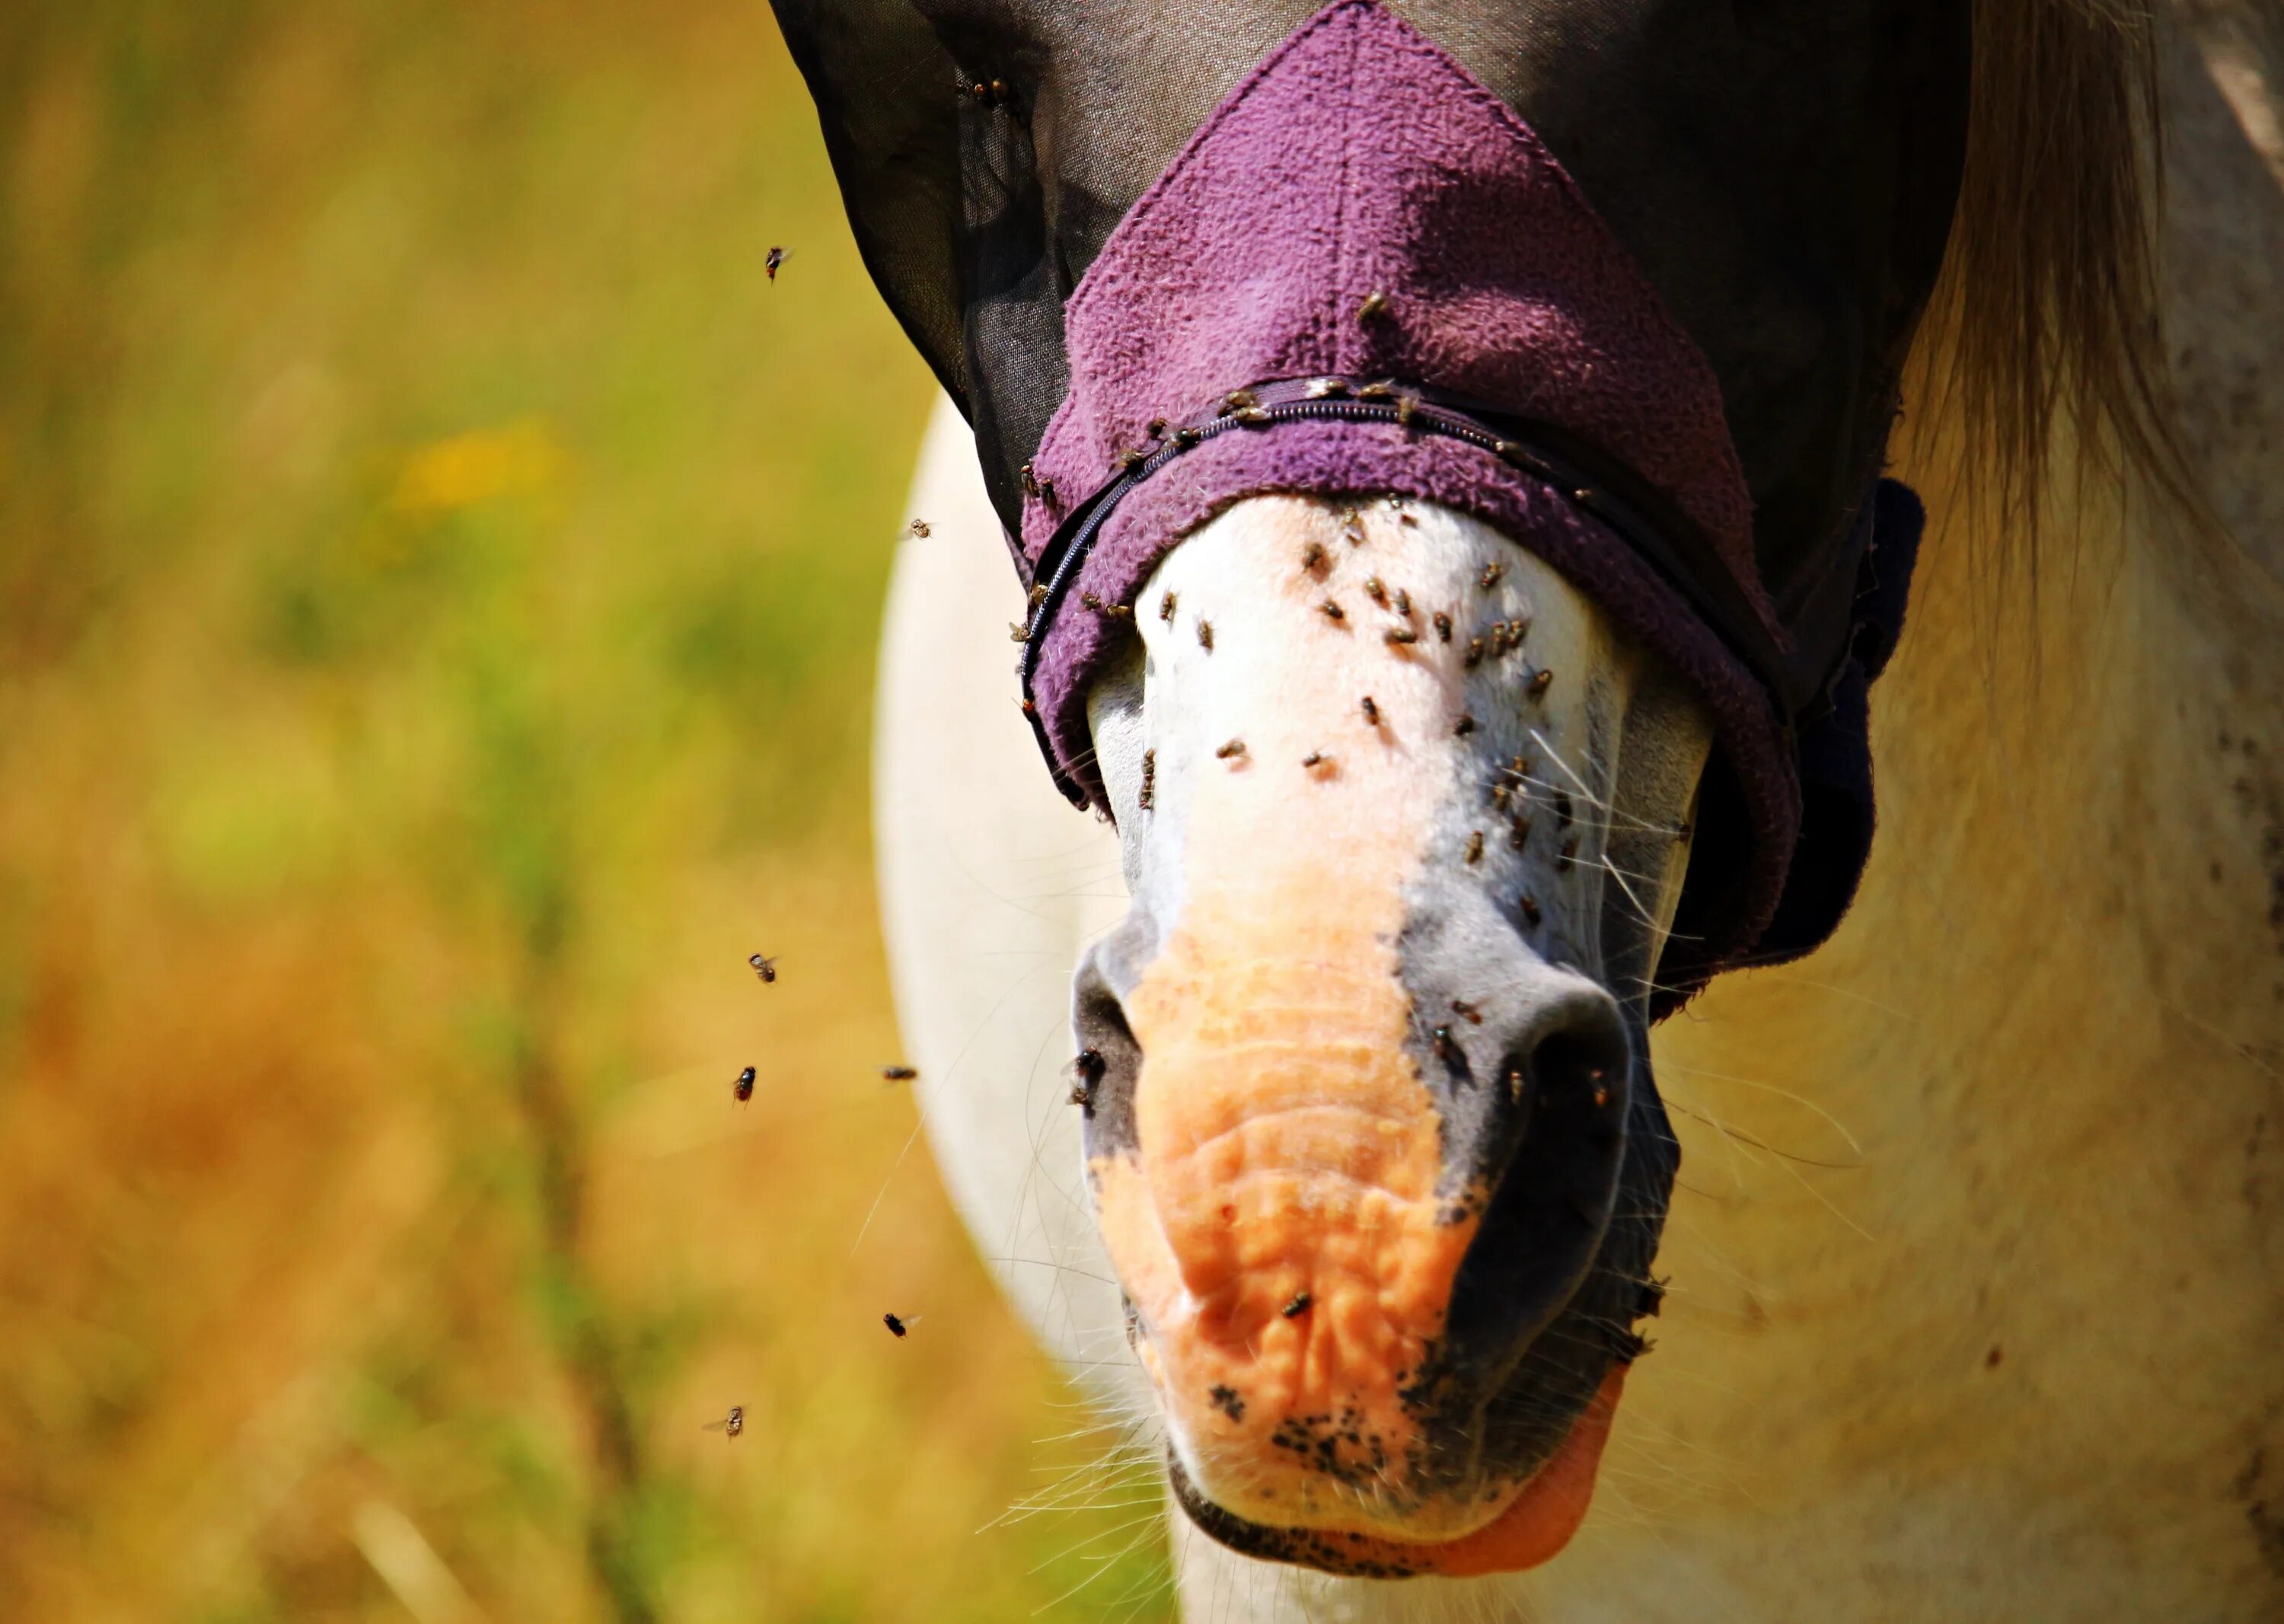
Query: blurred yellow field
439, 574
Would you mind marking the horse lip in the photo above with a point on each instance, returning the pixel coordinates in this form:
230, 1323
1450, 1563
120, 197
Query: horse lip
1533, 1528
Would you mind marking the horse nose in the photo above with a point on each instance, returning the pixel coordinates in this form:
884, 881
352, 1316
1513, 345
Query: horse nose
1533, 1090
1109, 1058
1532, 1070
1340, 1232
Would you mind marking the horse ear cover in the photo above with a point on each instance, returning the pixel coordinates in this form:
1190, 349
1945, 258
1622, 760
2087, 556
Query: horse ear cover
1361, 207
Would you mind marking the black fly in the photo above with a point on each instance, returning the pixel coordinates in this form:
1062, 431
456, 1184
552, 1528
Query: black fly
1089, 1066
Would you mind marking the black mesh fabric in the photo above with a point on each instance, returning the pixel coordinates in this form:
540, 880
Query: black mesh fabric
885, 88
1783, 171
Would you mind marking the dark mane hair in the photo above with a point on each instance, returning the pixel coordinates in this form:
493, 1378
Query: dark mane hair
2043, 332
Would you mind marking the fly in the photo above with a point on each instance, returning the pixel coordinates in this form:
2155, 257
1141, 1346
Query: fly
1089, 1067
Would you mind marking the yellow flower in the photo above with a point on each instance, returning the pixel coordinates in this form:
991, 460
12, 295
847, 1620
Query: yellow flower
448, 475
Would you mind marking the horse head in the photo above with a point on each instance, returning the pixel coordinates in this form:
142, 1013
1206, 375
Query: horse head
1442, 453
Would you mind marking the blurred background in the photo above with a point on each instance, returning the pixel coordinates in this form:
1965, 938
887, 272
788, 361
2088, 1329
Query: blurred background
439, 579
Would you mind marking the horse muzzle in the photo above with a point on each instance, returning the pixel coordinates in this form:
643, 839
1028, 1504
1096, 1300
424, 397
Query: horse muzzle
1341, 1235
1360, 1114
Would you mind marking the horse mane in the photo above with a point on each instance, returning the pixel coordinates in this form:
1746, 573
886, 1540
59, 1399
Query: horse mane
2043, 331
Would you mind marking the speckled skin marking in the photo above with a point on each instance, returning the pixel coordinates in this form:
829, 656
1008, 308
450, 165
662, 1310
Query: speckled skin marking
1296, 1146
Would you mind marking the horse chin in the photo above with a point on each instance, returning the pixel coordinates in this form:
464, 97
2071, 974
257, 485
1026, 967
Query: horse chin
1371, 1145
1531, 1521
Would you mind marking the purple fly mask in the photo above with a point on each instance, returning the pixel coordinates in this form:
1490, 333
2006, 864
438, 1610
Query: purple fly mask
1364, 275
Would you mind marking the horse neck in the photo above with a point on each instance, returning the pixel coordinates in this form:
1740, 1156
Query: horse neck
2081, 787
2037, 1069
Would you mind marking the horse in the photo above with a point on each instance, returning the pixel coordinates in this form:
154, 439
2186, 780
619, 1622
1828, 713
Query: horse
1956, 1232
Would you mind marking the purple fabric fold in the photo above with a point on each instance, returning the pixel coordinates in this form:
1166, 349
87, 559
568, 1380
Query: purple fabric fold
1361, 158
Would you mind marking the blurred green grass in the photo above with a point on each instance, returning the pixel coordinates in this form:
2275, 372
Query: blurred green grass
439, 576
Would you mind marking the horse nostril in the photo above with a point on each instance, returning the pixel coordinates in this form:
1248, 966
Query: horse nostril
1545, 1152
1109, 1058
1584, 1059
1562, 1111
